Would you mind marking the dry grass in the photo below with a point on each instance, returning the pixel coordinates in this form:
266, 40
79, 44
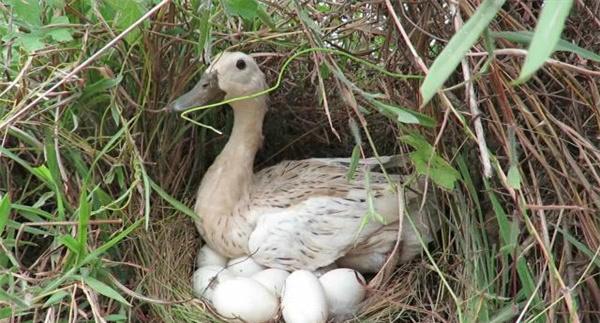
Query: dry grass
505, 253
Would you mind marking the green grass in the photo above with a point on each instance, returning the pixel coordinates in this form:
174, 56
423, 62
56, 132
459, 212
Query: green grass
97, 184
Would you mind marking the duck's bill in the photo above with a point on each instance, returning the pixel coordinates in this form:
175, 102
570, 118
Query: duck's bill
206, 91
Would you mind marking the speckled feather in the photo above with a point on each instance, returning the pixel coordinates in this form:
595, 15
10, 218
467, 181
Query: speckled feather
309, 215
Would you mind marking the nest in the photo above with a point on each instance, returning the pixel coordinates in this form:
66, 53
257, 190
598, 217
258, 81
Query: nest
504, 252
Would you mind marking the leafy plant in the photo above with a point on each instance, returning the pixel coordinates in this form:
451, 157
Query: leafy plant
428, 162
28, 30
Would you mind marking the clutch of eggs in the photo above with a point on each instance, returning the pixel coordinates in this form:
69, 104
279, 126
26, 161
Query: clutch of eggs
241, 290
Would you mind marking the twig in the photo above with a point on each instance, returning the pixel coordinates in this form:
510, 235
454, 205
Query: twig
473, 107
409, 44
22, 72
93, 301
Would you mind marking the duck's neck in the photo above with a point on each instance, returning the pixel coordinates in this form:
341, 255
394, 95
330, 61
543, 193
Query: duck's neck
228, 179
246, 136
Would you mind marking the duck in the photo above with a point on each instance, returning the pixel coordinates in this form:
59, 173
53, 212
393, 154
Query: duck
298, 214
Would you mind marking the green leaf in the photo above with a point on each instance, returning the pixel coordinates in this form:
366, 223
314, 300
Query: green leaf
428, 162
28, 11
103, 289
324, 70
94, 89
511, 248
92, 256
525, 37
62, 34
460, 43
4, 211
56, 297
353, 163
514, 178
116, 318
546, 36
43, 172
372, 211
30, 42
203, 23
123, 13
14, 299
70, 243
56, 4
247, 9
265, 17
52, 161
307, 20
7, 153
404, 115
84, 220
323, 7
5, 313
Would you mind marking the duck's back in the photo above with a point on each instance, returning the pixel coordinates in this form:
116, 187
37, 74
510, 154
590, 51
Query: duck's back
309, 214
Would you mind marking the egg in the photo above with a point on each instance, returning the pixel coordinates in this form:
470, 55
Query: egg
303, 299
207, 256
244, 266
273, 279
344, 290
204, 281
242, 299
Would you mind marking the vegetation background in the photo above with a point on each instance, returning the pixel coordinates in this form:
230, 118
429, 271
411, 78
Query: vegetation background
503, 116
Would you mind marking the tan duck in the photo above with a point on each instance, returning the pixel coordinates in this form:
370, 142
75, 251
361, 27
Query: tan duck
300, 214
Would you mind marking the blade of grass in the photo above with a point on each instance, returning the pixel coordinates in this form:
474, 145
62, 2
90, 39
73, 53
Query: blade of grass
173, 201
6, 297
450, 57
102, 288
92, 256
508, 248
4, 211
404, 115
56, 297
546, 36
84, 220
525, 37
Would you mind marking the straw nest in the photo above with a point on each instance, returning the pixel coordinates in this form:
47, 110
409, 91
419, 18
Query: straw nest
498, 242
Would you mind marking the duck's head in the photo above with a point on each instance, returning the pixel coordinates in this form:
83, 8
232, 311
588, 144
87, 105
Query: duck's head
232, 74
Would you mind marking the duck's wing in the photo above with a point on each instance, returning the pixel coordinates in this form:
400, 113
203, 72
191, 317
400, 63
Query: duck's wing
310, 214
309, 235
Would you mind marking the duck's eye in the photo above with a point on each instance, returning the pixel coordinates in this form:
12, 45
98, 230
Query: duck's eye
205, 85
240, 64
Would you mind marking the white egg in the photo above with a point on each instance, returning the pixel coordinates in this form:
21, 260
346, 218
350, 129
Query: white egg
206, 278
243, 299
273, 279
303, 299
207, 256
244, 266
344, 289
